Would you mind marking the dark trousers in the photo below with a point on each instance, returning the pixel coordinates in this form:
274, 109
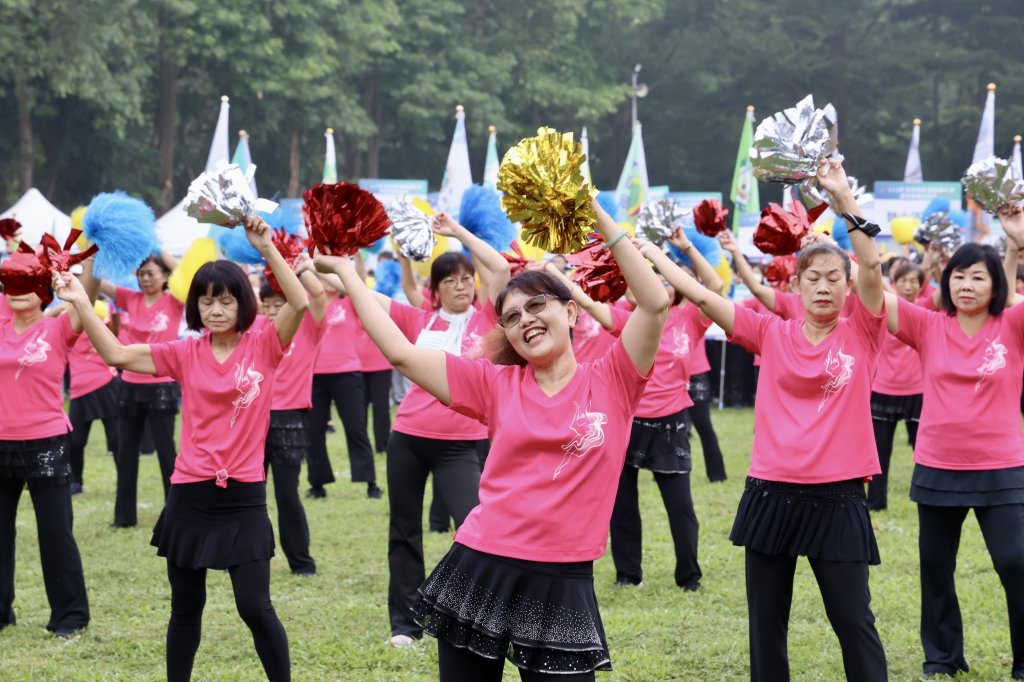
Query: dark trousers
345, 390
885, 431
251, 585
292, 528
62, 564
129, 442
700, 416
410, 460
462, 665
627, 530
377, 390
844, 590
942, 629
79, 438
439, 518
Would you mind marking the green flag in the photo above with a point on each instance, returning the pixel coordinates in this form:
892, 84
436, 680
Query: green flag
744, 194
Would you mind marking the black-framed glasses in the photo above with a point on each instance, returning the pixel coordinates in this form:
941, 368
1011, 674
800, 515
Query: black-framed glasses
511, 317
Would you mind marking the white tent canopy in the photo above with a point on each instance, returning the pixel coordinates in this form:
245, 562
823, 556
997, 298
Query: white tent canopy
38, 217
176, 230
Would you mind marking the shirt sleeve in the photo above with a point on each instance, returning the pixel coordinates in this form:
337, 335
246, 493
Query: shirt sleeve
622, 375
68, 337
270, 344
868, 325
749, 328
168, 358
1014, 317
123, 297
488, 314
471, 384
913, 321
620, 316
410, 320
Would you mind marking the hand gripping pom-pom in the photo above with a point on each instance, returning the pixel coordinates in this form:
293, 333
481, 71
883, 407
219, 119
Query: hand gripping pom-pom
517, 261
710, 217
597, 273
343, 218
290, 246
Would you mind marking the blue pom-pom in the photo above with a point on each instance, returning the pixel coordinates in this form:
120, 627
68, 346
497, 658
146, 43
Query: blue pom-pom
284, 218
236, 247
841, 234
607, 201
125, 230
936, 205
708, 247
375, 247
961, 218
480, 212
389, 277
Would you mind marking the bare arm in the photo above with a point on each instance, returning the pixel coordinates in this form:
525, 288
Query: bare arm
1012, 221
426, 367
762, 292
714, 306
705, 271
494, 269
169, 260
289, 317
314, 287
410, 287
599, 311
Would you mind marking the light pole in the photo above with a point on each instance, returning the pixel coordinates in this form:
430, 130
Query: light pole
640, 90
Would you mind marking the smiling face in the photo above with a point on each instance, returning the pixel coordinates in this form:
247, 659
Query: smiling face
970, 288
823, 286
542, 335
219, 312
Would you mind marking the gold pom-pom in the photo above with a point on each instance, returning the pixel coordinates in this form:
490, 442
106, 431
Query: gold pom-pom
546, 192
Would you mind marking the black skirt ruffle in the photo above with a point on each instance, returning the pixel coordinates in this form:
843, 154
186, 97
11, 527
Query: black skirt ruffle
139, 399
542, 616
959, 488
36, 458
103, 403
288, 437
827, 521
660, 444
894, 408
203, 526
700, 387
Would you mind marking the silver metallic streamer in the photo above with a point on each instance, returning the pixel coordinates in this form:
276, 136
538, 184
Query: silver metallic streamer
224, 196
992, 184
657, 220
938, 227
411, 230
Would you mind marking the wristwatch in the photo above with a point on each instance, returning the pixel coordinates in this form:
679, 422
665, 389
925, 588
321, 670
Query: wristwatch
862, 224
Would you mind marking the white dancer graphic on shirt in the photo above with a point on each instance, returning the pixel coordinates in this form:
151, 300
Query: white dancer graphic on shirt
587, 426
995, 360
586, 327
157, 326
472, 346
247, 383
34, 352
839, 366
336, 317
680, 346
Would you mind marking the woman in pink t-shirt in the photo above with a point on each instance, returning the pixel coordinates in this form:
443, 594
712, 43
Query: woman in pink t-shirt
970, 446
896, 389
804, 494
518, 582
216, 512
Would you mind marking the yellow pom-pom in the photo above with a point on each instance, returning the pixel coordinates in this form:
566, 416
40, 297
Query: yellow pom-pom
102, 309
202, 251
422, 268
423, 205
534, 253
724, 270
545, 191
77, 216
824, 227
630, 228
903, 229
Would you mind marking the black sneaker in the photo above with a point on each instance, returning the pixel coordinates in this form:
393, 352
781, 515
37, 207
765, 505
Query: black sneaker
373, 491
439, 529
693, 586
628, 581
316, 491
76, 488
66, 633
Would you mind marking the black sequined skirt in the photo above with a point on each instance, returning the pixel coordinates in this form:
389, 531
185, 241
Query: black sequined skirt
203, 526
288, 437
541, 616
660, 444
36, 458
103, 403
894, 408
961, 488
700, 387
138, 400
827, 521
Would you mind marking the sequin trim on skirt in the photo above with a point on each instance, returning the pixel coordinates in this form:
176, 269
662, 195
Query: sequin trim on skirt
700, 387
140, 399
660, 444
288, 438
894, 408
36, 458
541, 616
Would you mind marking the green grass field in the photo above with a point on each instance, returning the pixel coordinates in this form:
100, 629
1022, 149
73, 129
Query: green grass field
338, 626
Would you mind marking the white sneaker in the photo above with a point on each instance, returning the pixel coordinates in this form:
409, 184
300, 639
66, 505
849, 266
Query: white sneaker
402, 641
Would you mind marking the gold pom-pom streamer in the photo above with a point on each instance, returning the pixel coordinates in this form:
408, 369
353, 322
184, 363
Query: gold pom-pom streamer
545, 191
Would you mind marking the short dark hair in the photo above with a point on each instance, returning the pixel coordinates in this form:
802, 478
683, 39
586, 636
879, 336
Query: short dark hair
214, 279
267, 291
807, 255
966, 256
446, 265
159, 261
907, 268
531, 283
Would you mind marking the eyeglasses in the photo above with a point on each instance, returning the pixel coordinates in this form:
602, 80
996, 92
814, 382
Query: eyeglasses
535, 305
453, 282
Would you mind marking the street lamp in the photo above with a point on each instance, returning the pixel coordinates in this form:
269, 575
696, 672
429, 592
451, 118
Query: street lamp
640, 90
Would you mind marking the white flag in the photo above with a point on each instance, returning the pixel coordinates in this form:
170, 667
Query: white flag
219, 147
585, 144
330, 159
986, 145
1015, 160
912, 171
457, 174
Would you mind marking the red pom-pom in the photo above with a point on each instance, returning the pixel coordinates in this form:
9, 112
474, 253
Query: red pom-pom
709, 217
517, 262
780, 231
30, 270
343, 218
780, 270
59, 258
9, 228
597, 273
290, 246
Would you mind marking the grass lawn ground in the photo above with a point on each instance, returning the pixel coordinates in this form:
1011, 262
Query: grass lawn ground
338, 626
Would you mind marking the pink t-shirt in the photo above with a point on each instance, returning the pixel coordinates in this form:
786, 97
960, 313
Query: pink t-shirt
225, 406
899, 369
5, 308
548, 486
158, 323
666, 392
339, 349
970, 417
88, 371
420, 413
812, 413
370, 357
32, 375
590, 340
293, 380
754, 304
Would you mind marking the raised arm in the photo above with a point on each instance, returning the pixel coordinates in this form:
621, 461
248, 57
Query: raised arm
832, 178
1012, 221
289, 317
599, 311
136, 357
494, 269
711, 279
762, 292
314, 287
426, 367
642, 332
410, 287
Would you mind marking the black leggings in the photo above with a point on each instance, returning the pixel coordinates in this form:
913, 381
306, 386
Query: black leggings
345, 390
79, 437
885, 432
462, 665
251, 584
378, 396
714, 465
129, 442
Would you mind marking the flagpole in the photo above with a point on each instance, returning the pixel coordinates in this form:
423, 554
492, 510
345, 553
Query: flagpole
1015, 158
912, 171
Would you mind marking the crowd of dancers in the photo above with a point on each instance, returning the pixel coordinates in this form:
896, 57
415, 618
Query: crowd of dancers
530, 403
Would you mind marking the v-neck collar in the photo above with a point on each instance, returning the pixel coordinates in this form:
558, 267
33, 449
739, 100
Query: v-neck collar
540, 391
227, 364
978, 334
815, 346
24, 332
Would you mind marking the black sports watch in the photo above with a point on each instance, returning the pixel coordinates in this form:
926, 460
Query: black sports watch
862, 224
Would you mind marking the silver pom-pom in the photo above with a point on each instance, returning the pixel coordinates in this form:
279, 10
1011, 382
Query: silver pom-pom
939, 228
860, 193
657, 220
411, 230
224, 197
993, 185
